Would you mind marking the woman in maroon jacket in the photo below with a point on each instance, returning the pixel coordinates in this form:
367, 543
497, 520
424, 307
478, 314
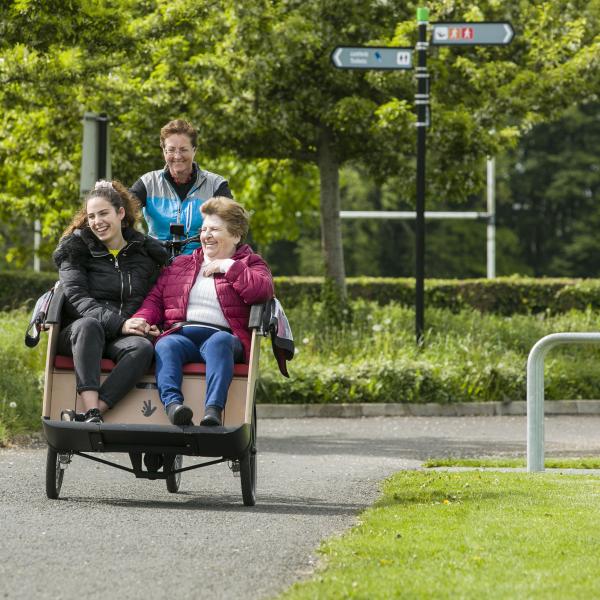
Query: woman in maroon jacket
203, 303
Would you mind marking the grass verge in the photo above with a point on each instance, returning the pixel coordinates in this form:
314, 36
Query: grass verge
21, 377
468, 535
585, 462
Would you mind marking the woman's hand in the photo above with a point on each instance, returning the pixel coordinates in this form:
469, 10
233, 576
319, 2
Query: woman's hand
219, 265
154, 331
136, 326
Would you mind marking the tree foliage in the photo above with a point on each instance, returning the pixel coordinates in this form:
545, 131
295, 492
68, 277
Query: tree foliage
256, 77
551, 188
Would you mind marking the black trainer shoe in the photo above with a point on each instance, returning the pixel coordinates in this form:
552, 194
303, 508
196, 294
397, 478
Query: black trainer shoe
212, 417
93, 416
71, 415
179, 414
67, 415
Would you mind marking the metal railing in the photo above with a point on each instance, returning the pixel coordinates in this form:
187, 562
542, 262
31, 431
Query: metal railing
535, 391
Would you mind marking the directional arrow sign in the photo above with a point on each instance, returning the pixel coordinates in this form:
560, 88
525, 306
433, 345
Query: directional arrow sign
472, 34
368, 57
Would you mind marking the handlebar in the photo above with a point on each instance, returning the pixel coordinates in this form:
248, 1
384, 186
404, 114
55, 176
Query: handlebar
175, 246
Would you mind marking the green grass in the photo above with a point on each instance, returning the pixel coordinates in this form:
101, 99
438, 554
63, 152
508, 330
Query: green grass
21, 377
586, 462
473, 535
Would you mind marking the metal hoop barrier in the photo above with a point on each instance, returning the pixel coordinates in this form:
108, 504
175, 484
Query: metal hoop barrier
535, 391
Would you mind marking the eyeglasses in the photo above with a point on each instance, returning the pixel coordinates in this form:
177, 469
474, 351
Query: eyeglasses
181, 151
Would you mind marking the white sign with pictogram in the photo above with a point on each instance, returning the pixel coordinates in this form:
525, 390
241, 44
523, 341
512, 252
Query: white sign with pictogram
369, 57
472, 34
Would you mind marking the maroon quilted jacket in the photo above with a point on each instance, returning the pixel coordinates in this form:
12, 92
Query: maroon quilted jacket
248, 281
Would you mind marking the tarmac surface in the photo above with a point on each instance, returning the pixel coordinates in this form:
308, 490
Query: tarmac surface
112, 535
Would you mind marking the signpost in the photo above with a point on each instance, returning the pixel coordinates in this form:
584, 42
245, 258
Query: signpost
369, 57
443, 34
423, 120
471, 34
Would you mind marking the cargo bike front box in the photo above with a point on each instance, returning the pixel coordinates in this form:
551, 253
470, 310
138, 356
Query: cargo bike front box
138, 424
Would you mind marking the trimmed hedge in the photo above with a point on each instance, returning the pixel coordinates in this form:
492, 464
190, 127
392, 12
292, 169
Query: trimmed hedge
22, 288
503, 295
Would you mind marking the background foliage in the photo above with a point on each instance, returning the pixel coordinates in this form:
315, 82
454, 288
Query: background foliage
502, 295
256, 78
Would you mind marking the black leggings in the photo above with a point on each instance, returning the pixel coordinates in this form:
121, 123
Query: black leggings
84, 340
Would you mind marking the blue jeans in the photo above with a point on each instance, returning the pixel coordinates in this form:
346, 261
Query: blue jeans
219, 350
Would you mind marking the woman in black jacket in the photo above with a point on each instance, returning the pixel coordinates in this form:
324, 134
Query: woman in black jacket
106, 268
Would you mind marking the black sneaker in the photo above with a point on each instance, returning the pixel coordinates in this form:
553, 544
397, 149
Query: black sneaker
71, 415
93, 416
179, 414
212, 417
67, 415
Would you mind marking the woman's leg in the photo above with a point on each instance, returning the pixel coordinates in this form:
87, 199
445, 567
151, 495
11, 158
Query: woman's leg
133, 356
220, 351
172, 352
84, 341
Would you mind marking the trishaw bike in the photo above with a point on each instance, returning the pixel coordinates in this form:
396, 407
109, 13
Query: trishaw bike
138, 425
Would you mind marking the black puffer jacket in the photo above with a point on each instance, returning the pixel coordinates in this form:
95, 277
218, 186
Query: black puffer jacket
98, 285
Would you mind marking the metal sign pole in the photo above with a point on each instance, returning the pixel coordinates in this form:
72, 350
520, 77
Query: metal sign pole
37, 239
491, 225
422, 105
95, 154
102, 145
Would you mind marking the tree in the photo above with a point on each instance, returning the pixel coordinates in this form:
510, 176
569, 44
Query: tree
51, 56
136, 61
283, 98
552, 183
257, 76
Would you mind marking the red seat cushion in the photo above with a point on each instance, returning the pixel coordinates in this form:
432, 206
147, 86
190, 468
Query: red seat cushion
107, 365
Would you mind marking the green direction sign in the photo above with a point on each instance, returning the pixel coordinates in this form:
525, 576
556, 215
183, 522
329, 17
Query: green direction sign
472, 34
368, 57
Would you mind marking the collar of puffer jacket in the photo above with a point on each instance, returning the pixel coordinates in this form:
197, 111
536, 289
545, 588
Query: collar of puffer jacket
82, 243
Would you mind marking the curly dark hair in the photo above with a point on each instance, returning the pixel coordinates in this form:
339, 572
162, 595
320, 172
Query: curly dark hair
118, 195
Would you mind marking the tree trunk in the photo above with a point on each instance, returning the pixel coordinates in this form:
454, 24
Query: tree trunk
331, 229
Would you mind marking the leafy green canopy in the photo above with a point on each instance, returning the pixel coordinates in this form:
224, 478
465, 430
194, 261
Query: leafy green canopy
256, 77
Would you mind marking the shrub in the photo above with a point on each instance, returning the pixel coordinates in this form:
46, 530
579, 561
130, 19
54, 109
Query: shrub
23, 288
370, 357
503, 295
21, 384
467, 357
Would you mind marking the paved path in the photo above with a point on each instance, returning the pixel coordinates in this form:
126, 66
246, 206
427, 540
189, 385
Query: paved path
112, 535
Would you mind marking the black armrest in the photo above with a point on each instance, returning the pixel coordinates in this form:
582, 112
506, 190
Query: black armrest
256, 317
262, 317
55, 307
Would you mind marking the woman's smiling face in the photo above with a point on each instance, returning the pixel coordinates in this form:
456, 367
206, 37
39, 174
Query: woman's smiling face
105, 221
216, 240
179, 154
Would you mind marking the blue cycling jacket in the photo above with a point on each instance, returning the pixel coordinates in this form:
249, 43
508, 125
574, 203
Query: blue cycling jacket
163, 206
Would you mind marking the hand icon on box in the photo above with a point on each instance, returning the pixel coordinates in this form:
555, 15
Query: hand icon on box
148, 409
